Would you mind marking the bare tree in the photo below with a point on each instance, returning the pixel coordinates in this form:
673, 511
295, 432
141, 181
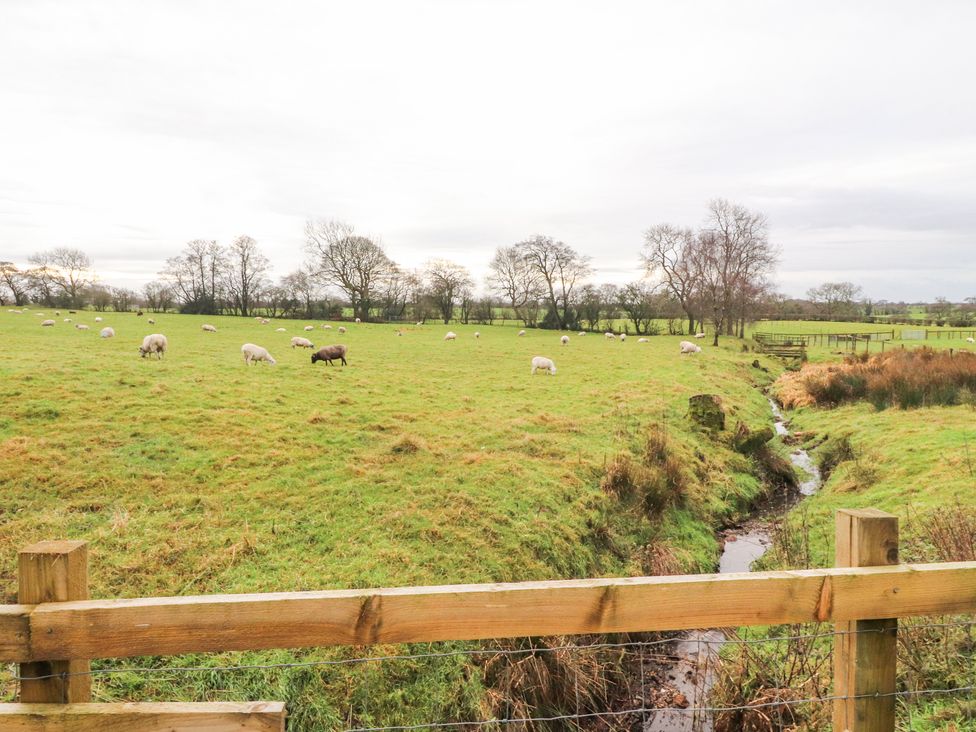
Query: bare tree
246, 273
158, 296
100, 297
63, 273
15, 282
670, 253
561, 269
511, 277
123, 299
301, 287
394, 292
835, 299
446, 283
639, 301
197, 276
354, 264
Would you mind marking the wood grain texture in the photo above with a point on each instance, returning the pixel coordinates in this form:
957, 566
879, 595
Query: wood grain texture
144, 717
865, 656
171, 625
54, 571
15, 631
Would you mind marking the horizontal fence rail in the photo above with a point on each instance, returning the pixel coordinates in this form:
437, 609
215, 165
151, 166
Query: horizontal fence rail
171, 625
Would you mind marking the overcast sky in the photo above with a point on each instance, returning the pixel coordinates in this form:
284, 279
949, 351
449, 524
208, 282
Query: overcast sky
449, 128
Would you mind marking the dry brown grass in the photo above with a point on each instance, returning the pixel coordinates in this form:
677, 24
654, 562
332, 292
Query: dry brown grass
905, 379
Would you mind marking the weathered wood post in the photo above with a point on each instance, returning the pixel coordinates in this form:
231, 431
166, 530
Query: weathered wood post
865, 650
54, 571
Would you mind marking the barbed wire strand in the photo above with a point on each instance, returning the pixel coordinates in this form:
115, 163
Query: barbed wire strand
644, 709
439, 654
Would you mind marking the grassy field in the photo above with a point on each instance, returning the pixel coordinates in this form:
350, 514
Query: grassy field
422, 462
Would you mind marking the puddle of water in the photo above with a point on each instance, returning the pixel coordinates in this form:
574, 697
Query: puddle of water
693, 672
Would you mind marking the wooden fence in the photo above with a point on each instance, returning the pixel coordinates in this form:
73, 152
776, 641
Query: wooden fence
56, 628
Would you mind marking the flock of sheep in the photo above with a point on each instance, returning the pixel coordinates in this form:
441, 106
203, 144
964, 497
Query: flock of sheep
156, 344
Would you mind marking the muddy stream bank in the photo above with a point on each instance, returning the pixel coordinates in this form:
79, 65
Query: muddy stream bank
692, 672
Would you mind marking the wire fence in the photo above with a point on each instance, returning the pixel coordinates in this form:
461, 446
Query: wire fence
694, 681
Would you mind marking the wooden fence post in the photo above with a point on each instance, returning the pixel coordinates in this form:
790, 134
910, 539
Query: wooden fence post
864, 662
54, 571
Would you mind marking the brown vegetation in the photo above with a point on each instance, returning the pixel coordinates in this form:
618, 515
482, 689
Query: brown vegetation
905, 379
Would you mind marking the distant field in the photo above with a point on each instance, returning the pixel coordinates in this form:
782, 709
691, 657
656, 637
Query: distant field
422, 462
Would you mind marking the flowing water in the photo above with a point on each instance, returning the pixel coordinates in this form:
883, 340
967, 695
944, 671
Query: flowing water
692, 672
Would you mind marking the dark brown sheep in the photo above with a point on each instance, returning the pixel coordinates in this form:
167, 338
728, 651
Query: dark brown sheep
330, 352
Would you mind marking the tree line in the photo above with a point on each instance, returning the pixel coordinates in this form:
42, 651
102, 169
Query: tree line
716, 276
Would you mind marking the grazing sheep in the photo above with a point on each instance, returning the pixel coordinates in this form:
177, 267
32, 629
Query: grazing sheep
47, 323
67, 320
689, 347
581, 333
477, 334
107, 333
151, 321
521, 333
358, 320
564, 340
623, 337
544, 364
207, 328
75, 312
138, 314
328, 353
699, 335
309, 327
609, 336
420, 322
451, 335
155, 343
301, 342
643, 340
279, 330
254, 353
971, 340
98, 320
57, 313
264, 321
326, 327
258, 318
81, 326
342, 329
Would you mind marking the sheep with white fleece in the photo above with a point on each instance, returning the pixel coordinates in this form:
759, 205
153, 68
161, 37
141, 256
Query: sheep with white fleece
541, 363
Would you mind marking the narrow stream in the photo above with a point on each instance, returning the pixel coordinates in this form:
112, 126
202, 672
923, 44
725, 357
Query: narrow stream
692, 673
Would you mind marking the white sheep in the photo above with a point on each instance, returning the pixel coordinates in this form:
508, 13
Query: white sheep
326, 327
689, 347
420, 322
477, 334
154, 343
254, 353
342, 329
279, 330
309, 327
151, 321
47, 323
299, 342
971, 340
541, 363
451, 335
564, 340
609, 336
207, 328
643, 340
699, 335
358, 320
581, 333
521, 333
258, 318
264, 321
67, 320
98, 320
81, 326
107, 333
623, 337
